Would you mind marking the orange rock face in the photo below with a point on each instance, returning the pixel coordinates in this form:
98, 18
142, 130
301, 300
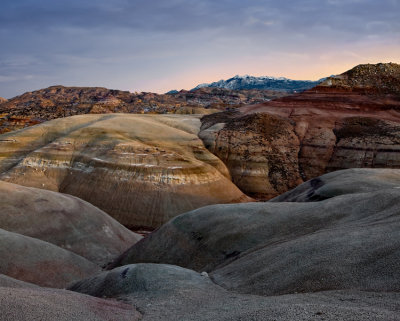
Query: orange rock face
351, 120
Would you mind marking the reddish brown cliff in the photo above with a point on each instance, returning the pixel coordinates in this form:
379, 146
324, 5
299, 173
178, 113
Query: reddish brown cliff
350, 120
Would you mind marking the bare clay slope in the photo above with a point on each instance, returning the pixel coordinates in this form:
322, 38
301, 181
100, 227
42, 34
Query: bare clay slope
167, 292
50, 305
63, 220
140, 169
35, 261
349, 181
350, 241
349, 121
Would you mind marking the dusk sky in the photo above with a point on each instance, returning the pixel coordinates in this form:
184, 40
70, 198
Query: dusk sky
159, 45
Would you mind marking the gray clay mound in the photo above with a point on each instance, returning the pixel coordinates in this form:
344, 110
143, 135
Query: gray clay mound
152, 279
63, 220
6, 281
345, 242
349, 181
31, 260
60, 305
165, 292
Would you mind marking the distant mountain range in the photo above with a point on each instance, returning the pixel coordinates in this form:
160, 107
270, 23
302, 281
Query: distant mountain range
263, 83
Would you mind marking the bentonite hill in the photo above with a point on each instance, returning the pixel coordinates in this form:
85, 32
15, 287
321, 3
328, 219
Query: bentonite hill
283, 209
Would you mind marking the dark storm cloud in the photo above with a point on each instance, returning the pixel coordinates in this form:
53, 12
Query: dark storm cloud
188, 15
43, 41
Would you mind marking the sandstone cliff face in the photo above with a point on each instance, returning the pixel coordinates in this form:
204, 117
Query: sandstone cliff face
348, 121
140, 169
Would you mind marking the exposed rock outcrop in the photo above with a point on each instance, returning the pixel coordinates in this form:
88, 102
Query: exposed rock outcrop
349, 121
141, 169
222, 98
54, 102
63, 220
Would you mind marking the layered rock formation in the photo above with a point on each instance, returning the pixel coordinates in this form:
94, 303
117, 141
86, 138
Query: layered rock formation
63, 220
348, 121
141, 169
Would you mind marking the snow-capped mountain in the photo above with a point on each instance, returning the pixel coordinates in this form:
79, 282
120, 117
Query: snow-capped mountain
264, 83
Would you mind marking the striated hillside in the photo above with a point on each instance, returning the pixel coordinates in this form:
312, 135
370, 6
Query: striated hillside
140, 169
351, 120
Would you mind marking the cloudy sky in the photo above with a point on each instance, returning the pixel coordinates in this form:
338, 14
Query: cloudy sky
158, 45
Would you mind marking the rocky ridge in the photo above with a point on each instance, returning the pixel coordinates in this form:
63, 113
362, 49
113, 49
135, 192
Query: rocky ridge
271, 147
54, 102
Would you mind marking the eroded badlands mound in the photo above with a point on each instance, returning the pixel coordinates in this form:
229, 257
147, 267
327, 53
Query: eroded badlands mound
63, 220
27, 304
51, 239
333, 259
141, 169
32, 260
349, 121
